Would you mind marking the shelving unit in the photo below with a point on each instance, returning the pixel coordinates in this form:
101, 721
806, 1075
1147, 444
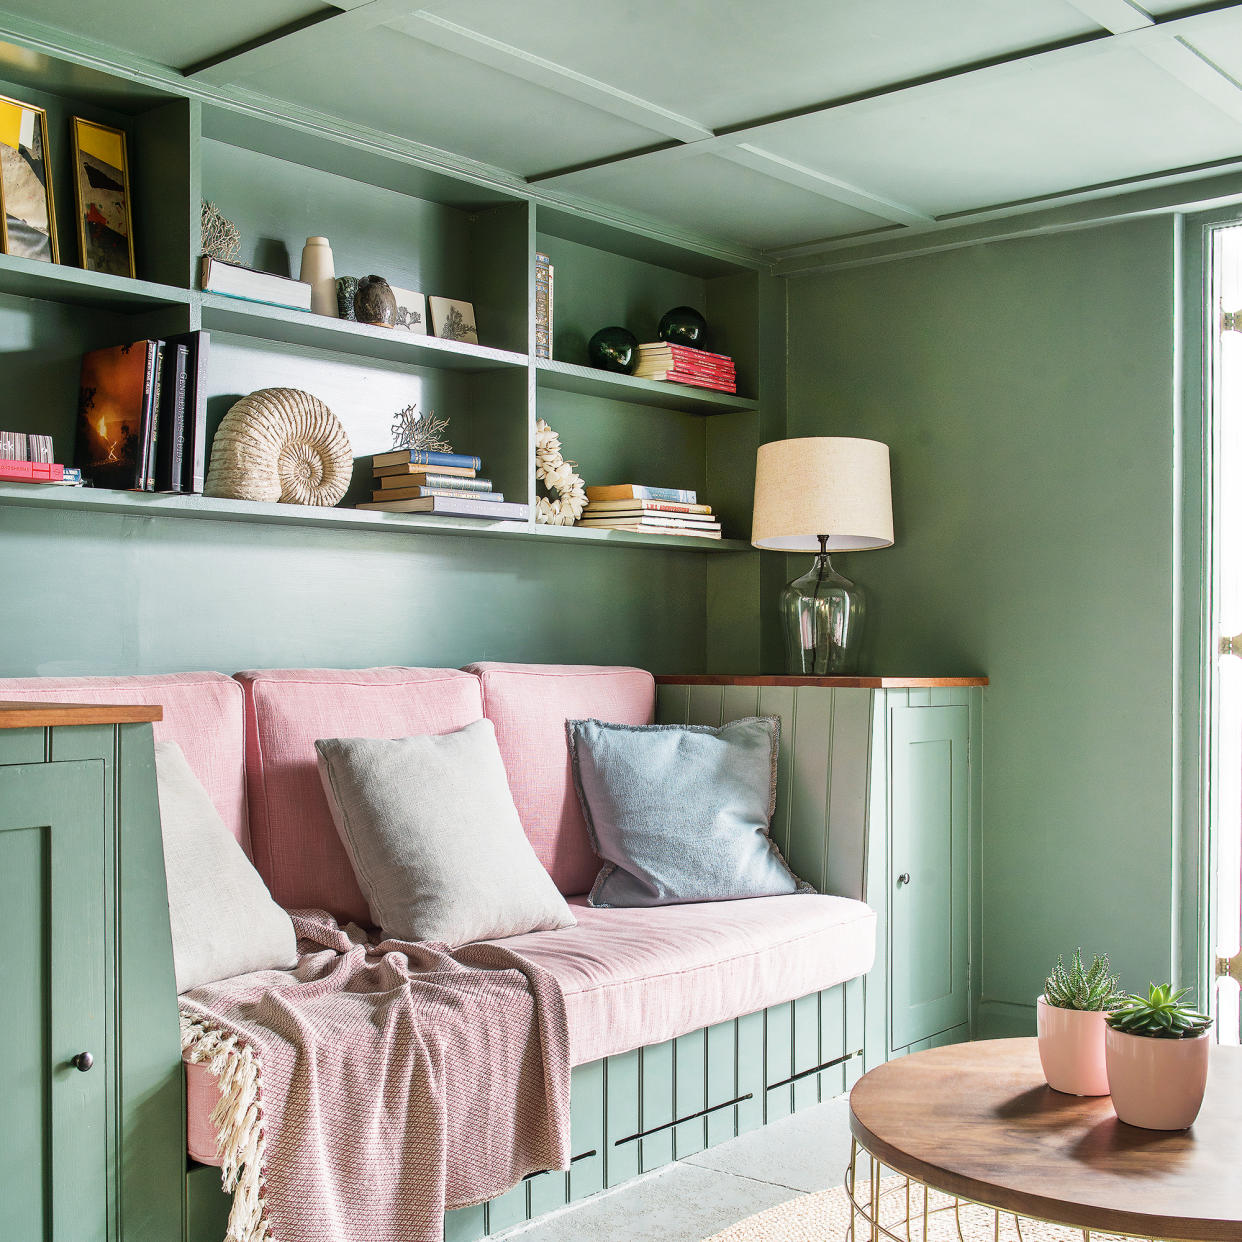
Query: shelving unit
424, 229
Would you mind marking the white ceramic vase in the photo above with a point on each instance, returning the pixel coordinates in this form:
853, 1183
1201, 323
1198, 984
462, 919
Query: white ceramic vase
318, 272
1157, 1084
1071, 1049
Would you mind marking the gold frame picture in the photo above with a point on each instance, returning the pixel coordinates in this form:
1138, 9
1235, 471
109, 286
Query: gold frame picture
27, 204
101, 198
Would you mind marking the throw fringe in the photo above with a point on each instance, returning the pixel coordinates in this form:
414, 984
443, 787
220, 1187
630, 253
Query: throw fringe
238, 1119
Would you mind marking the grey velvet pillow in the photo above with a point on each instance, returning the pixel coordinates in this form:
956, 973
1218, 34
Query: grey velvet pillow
224, 921
680, 813
430, 827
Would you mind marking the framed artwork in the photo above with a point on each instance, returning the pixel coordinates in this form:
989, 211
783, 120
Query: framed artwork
27, 212
411, 311
101, 191
453, 321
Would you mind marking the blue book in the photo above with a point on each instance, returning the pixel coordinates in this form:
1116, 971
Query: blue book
425, 457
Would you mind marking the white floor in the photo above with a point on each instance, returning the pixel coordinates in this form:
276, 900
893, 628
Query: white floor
699, 1196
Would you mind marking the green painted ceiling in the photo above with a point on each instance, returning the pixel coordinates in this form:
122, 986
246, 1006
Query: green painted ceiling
781, 126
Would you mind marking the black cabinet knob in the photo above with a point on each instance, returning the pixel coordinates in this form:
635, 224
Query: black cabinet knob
903, 878
83, 1061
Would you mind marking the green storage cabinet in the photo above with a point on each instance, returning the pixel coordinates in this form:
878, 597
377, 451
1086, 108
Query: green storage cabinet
93, 1142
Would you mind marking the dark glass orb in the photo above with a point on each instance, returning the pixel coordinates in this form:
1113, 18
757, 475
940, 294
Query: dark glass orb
683, 325
614, 349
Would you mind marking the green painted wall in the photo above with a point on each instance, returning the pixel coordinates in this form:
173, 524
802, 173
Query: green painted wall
102, 594
1026, 388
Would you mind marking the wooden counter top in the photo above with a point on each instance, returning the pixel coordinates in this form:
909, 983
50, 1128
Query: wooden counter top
45, 715
841, 683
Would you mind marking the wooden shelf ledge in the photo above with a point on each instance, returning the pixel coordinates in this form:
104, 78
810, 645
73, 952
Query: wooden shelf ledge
589, 382
211, 508
841, 683
15, 715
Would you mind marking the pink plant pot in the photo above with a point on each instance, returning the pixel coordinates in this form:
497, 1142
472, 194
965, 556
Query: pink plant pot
1071, 1049
1157, 1084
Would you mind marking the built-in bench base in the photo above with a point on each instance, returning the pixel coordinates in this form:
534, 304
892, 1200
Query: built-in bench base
635, 1112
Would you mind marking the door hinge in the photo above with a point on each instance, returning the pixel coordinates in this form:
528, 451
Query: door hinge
1231, 645
1231, 321
1229, 967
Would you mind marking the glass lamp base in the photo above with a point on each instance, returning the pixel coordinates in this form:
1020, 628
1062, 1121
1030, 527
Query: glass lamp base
822, 614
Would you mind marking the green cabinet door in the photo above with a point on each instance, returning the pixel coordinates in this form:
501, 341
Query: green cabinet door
53, 1152
928, 872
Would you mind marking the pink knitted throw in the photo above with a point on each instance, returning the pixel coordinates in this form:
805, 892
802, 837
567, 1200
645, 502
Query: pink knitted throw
373, 1086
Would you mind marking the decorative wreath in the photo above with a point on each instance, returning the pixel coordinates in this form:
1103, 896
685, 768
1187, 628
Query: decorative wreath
567, 492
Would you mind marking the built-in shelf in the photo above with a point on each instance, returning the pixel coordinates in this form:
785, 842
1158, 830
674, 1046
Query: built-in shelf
210, 508
57, 282
569, 377
294, 327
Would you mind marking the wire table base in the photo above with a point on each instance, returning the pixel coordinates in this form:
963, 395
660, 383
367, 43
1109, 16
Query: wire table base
898, 1208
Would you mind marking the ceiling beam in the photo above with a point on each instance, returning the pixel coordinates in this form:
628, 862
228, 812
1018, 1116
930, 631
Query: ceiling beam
519, 63
1116, 16
1179, 58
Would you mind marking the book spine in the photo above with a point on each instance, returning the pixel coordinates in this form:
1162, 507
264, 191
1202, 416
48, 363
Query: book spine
144, 416
457, 482
426, 457
543, 306
176, 474
151, 417
418, 493
638, 491
196, 412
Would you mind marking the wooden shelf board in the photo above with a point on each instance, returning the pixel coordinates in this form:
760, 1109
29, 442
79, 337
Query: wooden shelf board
569, 377
865, 683
210, 508
56, 282
19, 715
295, 327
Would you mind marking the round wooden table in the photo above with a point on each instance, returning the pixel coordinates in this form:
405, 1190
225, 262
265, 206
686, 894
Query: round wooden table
978, 1122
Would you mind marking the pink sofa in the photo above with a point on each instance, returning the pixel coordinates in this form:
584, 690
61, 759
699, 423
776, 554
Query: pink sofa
631, 978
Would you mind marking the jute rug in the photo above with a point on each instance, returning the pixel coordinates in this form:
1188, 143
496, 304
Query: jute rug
825, 1217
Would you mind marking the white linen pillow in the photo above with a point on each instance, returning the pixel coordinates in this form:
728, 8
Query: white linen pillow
435, 840
224, 921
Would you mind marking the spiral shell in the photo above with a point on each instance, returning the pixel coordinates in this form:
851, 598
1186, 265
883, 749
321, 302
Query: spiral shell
280, 444
557, 475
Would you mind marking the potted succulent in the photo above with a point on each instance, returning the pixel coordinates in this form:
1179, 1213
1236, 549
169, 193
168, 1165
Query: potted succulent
1070, 1016
1156, 1048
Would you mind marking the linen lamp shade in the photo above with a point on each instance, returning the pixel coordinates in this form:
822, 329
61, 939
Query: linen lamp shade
822, 485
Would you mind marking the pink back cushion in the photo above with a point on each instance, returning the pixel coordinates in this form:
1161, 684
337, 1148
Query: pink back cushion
202, 714
295, 844
529, 704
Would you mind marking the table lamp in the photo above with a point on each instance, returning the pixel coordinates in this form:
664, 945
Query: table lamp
822, 494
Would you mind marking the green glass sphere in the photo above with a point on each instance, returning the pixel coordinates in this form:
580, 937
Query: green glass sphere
614, 349
683, 325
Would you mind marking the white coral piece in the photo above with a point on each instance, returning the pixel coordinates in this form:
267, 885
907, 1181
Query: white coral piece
557, 475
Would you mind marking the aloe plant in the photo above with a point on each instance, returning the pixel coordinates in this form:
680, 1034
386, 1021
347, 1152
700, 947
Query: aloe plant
1159, 1015
1083, 987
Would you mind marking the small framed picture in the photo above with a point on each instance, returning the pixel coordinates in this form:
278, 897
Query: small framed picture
27, 212
411, 311
101, 189
453, 321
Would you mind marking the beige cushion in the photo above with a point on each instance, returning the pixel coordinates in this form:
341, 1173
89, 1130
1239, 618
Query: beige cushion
224, 921
435, 840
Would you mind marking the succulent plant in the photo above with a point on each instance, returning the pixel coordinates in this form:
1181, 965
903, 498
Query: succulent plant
1081, 987
1159, 1015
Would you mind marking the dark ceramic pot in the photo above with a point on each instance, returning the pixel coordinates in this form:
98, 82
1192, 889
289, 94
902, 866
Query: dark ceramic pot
346, 291
375, 302
614, 349
683, 325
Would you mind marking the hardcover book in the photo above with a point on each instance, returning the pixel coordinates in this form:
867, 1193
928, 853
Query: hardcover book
640, 491
426, 457
449, 506
115, 390
194, 420
170, 441
235, 281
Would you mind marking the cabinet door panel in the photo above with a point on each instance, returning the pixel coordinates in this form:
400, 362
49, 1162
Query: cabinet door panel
930, 835
53, 1182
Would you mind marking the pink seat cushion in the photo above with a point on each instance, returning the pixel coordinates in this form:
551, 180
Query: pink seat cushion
529, 704
638, 977
295, 844
202, 714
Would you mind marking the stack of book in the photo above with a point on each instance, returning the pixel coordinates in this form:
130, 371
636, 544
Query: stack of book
142, 415
235, 281
442, 484
650, 510
680, 364
544, 272
28, 459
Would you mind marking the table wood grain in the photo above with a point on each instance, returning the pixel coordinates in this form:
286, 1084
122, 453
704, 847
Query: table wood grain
15, 715
978, 1120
